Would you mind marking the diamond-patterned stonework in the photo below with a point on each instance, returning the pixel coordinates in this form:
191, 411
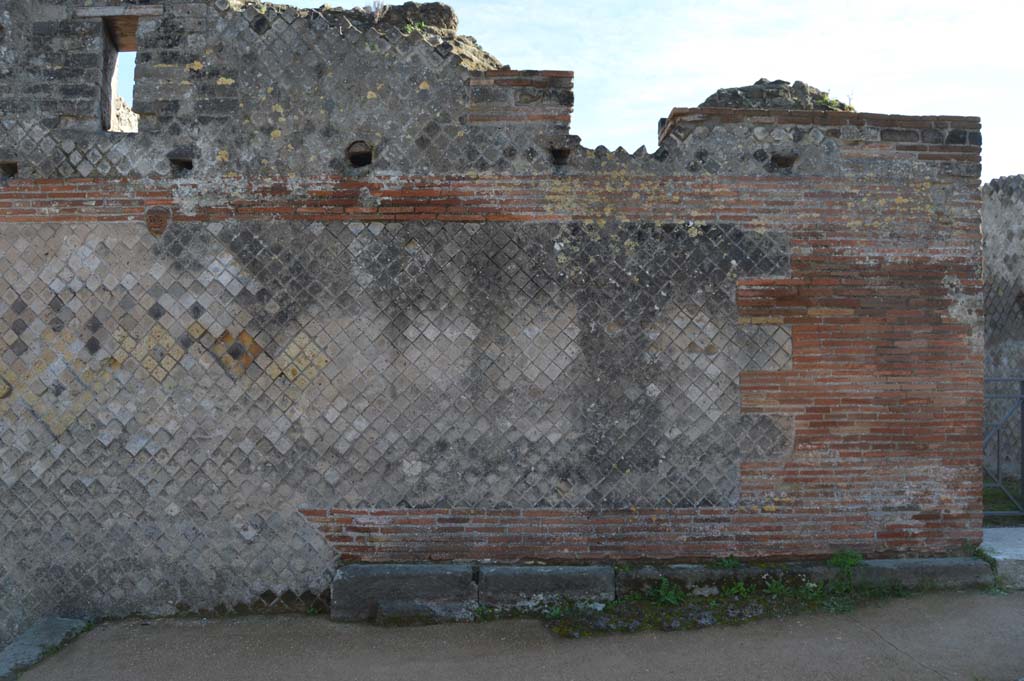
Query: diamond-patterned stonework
188, 393
205, 355
300, 362
442, 364
56, 385
157, 353
236, 353
248, 127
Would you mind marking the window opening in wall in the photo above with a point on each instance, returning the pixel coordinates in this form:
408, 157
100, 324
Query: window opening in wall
118, 87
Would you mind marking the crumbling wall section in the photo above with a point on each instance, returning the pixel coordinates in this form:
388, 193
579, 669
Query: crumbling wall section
270, 91
346, 297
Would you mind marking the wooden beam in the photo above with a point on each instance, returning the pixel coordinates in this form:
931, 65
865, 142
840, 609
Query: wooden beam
120, 11
122, 22
124, 32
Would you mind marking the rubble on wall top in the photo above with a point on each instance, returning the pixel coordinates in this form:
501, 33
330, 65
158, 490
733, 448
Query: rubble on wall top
435, 22
774, 94
427, 15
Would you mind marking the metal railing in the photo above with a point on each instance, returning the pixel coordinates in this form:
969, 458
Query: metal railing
1008, 428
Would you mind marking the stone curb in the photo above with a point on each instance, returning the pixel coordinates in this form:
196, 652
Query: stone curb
395, 592
36, 642
530, 586
922, 573
443, 593
911, 573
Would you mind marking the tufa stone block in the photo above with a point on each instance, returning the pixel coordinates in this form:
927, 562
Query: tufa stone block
925, 573
403, 593
912, 573
529, 586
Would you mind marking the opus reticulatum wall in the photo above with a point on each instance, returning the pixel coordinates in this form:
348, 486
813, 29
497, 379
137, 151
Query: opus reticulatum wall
1002, 218
353, 292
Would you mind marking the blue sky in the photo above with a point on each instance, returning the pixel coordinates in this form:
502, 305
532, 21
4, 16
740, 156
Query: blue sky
634, 61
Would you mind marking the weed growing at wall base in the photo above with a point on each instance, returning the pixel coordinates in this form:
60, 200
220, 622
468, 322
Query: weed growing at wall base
669, 606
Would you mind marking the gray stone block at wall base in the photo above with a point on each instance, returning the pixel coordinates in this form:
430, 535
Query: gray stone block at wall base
529, 586
36, 642
910, 573
925, 573
388, 593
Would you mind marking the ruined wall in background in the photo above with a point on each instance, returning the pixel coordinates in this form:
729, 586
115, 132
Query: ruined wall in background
1002, 219
232, 352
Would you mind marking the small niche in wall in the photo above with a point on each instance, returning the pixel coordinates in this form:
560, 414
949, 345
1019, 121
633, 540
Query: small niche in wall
359, 154
181, 165
8, 170
560, 156
117, 91
783, 160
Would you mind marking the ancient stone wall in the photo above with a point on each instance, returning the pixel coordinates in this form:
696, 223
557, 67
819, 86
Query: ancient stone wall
1003, 227
344, 297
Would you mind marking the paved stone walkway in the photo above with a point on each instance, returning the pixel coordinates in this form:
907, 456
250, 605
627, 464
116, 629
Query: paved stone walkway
1006, 545
43, 636
969, 636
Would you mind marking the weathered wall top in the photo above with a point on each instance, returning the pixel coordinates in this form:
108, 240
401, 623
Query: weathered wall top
1009, 189
231, 88
774, 94
1003, 220
434, 21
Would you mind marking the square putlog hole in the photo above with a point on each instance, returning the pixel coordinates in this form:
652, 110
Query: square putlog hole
180, 166
8, 170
